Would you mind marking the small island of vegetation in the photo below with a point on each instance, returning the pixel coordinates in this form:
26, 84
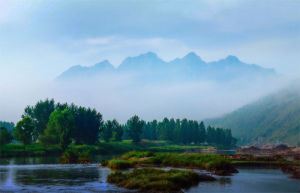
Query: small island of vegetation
156, 180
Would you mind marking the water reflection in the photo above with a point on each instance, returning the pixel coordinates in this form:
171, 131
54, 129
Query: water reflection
77, 178
10, 174
55, 178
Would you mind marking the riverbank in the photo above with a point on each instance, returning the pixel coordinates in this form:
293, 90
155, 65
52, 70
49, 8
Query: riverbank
282, 162
103, 148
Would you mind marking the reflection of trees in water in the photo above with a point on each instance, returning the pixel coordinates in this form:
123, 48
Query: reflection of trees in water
59, 176
3, 176
225, 180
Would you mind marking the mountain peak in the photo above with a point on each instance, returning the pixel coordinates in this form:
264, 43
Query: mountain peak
192, 56
148, 55
103, 63
232, 58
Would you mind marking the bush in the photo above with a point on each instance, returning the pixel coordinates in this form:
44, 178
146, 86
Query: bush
120, 164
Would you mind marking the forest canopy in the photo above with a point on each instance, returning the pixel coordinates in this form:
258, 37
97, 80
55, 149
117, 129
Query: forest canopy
51, 123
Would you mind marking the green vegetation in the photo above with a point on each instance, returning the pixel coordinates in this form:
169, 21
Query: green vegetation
135, 128
271, 119
24, 131
20, 150
112, 130
155, 180
187, 132
112, 147
217, 164
74, 157
5, 136
73, 127
120, 164
59, 128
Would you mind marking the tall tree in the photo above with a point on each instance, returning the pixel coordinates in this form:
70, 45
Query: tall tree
5, 136
24, 130
88, 125
135, 128
39, 115
202, 132
107, 130
59, 129
117, 130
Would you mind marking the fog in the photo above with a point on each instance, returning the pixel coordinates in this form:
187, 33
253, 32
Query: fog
122, 96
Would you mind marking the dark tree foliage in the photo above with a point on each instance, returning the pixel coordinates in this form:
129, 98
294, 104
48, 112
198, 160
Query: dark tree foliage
59, 129
149, 130
88, 125
186, 132
39, 115
24, 130
117, 131
112, 130
107, 131
135, 128
5, 136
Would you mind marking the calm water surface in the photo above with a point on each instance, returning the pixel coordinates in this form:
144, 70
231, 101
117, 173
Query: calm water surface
41, 175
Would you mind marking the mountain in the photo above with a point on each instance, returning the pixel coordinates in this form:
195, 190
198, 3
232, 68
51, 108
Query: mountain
149, 67
86, 72
274, 118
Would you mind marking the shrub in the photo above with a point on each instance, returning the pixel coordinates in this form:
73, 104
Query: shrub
120, 164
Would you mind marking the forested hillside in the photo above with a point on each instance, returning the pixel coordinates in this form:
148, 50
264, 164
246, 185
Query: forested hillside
275, 118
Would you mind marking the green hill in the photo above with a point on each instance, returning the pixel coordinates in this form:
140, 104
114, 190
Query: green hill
275, 118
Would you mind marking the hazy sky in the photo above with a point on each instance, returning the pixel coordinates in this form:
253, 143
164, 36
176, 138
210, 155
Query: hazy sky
46, 37
40, 39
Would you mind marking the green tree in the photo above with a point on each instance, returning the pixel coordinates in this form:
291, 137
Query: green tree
202, 132
211, 135
5, 136
135, 128
88, 125
117, 130
39, 115
24, 130
107, 130
59, 129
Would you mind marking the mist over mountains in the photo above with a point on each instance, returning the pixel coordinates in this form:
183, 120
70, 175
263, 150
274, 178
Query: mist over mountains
274, 118
149, 68
152, 88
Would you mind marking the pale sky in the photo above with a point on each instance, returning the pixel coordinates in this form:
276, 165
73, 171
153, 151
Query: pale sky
39, 39
42, 38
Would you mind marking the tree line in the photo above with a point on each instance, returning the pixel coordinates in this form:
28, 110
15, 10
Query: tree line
50, 123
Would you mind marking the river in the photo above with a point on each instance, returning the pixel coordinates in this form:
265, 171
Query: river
45, 175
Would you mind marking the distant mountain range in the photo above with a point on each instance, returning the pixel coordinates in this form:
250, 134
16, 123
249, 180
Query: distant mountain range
149, 67
275, 118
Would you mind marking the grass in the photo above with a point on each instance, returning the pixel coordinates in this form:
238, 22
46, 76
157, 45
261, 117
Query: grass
19, 150
215, 163
155, 180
